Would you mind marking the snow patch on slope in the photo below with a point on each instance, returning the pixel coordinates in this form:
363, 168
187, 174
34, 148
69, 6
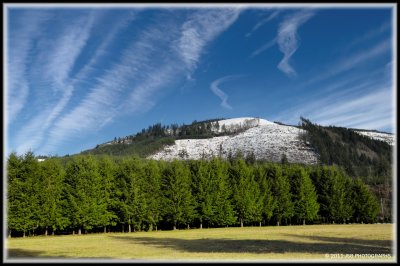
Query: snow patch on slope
267, 140
386, 137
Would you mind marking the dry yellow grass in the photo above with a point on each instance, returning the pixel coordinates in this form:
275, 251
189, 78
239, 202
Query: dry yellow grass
311, 242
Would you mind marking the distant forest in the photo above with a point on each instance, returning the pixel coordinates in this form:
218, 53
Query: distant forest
86, 193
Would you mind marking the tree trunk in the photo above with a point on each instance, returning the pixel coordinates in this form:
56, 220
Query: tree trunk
79, 231
277, 223
105, 229
45, 232
156, 227
9, 233
24, 234
260, 224
52, 233
241, 222
304, 221
123, 228
201, 226
73, 232
129, 228
188, 227
175, 226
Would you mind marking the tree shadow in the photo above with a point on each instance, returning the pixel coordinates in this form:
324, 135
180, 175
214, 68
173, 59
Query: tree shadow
17, 253
343, 240
208, 245
22, 253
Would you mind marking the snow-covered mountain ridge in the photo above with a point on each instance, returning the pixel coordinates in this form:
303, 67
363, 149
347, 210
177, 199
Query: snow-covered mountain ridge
265, 139
386, 137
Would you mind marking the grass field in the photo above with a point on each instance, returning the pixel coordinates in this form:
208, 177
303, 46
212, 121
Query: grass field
311, 242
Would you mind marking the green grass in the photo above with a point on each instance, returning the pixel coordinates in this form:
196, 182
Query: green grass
310, 242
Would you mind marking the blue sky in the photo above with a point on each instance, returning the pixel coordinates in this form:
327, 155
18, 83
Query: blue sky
77, 77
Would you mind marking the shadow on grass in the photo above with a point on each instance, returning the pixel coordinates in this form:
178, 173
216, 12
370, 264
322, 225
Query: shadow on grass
357, 246
22, 253
17, 253
342, 240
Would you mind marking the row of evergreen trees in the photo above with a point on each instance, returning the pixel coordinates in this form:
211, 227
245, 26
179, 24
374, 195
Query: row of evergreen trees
127, 194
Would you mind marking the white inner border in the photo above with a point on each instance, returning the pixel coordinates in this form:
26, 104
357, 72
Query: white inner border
196, 5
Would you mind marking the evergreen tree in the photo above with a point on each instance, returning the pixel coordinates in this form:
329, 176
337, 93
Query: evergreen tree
153, 194
265, 184
334, 193
130, 191
203, 190
87, 206
305, 197
213, 192
107, 171
366, 207
14, 185
223, 209
340, 205
246, 193
51, 196
284, 208
179, 203
23, 192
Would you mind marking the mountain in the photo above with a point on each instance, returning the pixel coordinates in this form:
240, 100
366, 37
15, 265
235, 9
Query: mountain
259, 137
248, 136
360, 152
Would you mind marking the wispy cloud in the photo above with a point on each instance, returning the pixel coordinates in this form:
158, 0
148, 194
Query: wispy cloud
373, 33
132, 84
201, 28
56, 63
370, 111
100, 106
263, 21
288, 38
354, 61
218, 92
362, 102
263, 48
20, 45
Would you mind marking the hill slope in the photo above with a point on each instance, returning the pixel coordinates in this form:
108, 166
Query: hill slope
249, 136
265, 139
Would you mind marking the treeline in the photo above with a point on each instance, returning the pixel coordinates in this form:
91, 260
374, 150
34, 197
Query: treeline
196, 130
141, 147
92, 194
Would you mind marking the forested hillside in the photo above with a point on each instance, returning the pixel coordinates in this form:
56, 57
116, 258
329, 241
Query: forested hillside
86, 193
